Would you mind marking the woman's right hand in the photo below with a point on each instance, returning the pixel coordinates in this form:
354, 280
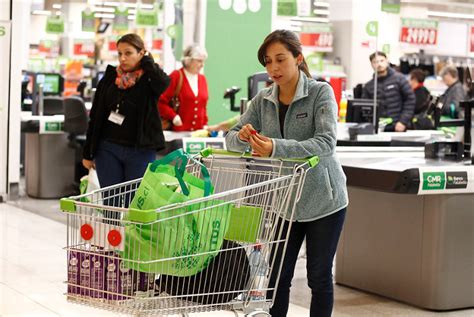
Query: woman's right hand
245, 132
88, 164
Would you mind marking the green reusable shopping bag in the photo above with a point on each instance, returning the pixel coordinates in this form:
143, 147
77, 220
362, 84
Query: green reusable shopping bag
172, 242
244, 224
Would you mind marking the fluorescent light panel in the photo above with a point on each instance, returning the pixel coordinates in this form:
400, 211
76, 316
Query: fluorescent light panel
41, 12
451, 15
57, 6
321, 4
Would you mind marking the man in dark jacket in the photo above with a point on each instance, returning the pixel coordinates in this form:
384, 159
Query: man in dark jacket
395, 97
454, 94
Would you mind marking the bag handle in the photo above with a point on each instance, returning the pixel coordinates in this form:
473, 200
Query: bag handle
178, 88
181, 158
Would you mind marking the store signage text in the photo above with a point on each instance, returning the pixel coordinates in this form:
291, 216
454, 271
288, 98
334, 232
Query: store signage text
433, 180
445, 180
419, 32
317, 37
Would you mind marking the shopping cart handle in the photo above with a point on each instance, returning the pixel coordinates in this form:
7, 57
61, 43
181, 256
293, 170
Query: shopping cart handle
312, 161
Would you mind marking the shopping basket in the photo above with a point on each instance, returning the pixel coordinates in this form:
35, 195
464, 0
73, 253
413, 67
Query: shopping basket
259, 191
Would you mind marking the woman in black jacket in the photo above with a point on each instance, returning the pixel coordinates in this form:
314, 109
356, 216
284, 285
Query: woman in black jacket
125, 127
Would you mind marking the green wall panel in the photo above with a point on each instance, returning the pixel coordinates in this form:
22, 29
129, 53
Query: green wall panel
232, 41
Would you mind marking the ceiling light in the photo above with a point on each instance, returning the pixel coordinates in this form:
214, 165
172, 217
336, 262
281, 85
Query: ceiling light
321, 12
57, 6
106, 10
105, 15
451, 15
321, 4
41, 12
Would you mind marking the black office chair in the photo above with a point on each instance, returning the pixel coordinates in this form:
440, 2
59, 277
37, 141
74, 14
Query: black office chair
53, 105
75, 124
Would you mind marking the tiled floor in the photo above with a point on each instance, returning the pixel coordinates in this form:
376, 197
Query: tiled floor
32, 270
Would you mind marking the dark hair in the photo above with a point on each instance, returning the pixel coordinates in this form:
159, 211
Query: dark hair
132, 39
418, 74
290, 41
379, 53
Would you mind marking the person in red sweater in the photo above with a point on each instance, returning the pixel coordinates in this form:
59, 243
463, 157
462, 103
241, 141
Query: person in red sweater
191, 114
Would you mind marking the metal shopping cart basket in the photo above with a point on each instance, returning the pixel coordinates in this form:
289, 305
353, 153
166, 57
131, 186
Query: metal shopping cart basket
252, 194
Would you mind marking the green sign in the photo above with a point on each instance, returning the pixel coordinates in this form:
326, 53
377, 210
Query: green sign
386, 48
316, 28
225, 28
315, 62
372, 28
55, 25
195, 147
121, 19
287, 8
52, 126
2, 31
88, 20
419, 23
391, 6
433, 180
147, 18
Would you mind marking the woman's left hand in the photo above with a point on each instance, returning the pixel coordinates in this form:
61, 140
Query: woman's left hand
261, 145
147, 63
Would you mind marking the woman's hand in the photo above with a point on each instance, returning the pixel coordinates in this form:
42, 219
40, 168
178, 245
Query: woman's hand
245, 132
147, 62
261, 145
88, 164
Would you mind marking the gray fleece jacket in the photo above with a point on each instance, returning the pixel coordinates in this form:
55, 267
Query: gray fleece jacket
309, 129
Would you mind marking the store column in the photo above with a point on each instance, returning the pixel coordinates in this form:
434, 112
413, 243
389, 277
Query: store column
353, 44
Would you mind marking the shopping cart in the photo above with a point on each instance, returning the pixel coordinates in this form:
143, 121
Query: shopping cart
253, 194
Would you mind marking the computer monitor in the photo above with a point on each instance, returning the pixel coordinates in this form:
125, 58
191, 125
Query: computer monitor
97, 78
360, 110
53, 84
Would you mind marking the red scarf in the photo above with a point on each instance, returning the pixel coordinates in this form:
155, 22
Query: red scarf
126, 80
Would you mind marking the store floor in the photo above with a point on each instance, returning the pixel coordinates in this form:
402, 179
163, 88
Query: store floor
33, 268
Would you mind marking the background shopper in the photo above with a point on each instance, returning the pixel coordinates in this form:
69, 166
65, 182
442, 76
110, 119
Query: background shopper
125, 128
193, 94
395, 98
454, 94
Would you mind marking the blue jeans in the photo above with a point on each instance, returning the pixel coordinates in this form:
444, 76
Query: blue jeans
322, 236
117, 164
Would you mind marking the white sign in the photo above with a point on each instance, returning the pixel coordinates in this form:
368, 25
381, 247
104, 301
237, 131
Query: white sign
446, 180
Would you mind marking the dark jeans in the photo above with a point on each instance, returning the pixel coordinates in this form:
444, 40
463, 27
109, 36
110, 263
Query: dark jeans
117, 164
322, 236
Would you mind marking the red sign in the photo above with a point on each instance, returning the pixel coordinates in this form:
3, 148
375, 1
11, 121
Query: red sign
84, 48
471, 39
421, 36
157, 44
317, 41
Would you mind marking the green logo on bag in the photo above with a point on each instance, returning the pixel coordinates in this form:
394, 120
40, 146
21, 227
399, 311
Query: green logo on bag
433, 180
141, 199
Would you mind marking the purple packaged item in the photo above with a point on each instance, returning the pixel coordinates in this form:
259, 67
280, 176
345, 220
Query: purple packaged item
73, 272
119, 279
97, 277
85, 274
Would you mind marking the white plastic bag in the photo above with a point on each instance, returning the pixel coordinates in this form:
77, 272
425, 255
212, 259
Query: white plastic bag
89, 182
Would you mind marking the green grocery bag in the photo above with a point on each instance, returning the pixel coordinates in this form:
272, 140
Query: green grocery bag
172, 241
244, 224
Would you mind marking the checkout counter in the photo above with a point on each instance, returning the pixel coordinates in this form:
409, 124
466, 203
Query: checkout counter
409, 229
49, 161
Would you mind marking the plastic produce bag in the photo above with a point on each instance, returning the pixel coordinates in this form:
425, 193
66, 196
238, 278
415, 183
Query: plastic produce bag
89, 183
178, 232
